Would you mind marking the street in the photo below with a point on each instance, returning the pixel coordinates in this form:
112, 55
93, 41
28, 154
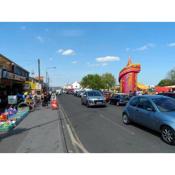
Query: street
101, 130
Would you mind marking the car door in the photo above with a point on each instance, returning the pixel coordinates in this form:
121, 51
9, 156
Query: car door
132, 108
145, 113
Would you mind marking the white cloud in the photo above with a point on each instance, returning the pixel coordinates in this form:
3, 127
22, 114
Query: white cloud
40, 39
74, 62
107, 59
60, 50
145, 47
171, 45
67, 52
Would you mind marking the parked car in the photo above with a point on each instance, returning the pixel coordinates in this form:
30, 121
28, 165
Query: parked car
119, 99
156, 112
70, 91
80, 93
93, 98
107, 95
169, 94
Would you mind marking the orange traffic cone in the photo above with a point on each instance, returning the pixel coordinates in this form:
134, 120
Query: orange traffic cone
54, 104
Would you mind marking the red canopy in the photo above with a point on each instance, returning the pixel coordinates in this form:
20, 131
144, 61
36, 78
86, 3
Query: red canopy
161, 89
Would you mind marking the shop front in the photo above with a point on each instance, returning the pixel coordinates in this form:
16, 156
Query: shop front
12, 79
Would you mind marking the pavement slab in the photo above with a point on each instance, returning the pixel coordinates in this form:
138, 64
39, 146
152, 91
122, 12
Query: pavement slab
39, 132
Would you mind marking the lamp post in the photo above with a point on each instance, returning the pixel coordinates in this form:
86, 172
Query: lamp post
47, 76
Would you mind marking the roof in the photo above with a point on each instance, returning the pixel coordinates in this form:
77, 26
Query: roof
151, 96
12, 62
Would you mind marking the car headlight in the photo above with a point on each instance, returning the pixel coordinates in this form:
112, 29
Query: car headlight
91, 101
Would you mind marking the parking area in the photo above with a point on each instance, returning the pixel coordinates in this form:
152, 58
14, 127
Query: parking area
100, 129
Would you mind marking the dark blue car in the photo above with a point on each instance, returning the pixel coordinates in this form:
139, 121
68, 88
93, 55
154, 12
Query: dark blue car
156, 112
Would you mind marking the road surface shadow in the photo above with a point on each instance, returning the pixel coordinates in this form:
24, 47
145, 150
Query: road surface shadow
21, 130
146, 129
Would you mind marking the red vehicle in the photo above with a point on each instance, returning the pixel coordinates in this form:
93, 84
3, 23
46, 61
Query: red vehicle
107, 95
70, 91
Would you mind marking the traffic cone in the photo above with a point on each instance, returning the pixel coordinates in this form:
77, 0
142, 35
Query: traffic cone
54, 104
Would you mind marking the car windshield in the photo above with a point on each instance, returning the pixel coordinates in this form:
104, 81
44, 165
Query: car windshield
94, 93
126, 97
165, 104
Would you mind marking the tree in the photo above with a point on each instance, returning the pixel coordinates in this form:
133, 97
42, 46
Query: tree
95, 81
171, 75
108, 80
165, 82
92, 81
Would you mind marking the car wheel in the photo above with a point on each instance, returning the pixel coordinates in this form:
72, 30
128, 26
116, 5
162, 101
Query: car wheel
125, 119
168, 134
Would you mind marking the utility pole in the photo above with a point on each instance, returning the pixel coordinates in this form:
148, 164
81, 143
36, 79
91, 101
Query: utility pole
39, 70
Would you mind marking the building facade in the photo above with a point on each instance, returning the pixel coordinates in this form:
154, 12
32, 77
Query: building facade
12, 78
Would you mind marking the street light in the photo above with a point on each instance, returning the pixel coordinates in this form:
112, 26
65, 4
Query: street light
47, 77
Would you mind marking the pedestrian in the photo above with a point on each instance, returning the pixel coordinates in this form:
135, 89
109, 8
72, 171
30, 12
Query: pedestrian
130, 94
45, 99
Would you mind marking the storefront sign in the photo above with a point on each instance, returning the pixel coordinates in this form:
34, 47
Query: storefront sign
12, 99
12, 76
19, 78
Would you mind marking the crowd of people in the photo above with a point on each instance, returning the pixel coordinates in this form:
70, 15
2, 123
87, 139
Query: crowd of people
31, 99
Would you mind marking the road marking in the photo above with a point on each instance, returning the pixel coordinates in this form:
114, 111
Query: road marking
74, 139
116, 124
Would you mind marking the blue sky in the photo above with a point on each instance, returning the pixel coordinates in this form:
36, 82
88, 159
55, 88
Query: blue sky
76, 49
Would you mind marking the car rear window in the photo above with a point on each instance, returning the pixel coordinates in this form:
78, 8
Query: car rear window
94, 93
134, 102
165, 104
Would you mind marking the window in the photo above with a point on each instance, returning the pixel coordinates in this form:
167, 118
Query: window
134, 101
165, 104
145, 104
94, 93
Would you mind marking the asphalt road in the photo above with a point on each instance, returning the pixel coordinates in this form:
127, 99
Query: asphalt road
101, 130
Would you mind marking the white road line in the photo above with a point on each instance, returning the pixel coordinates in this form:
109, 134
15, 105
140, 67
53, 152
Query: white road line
116, 124
75, 140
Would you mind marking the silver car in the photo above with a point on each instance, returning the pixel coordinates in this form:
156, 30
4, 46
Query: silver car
93, 98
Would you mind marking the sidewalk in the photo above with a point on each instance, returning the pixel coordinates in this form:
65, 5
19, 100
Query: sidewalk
39, 132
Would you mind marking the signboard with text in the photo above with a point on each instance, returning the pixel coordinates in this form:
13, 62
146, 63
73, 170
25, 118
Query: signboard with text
12, 99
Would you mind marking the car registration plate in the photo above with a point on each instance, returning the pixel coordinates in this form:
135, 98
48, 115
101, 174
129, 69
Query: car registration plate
98, 102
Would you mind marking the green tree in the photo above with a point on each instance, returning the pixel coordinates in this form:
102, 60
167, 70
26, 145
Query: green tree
171, 75
108, 80
165, 82
93, 81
